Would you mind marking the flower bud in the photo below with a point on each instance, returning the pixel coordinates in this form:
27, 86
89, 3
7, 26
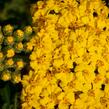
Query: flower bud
19, 35
9, 63
16, 77
9, 40
28, 47
28, 31
10, 52
19, 64
18, 47
8, 30
6, 75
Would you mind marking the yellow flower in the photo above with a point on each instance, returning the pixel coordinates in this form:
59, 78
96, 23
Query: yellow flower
29, 46
8, 29
57, 63
98, 94
20, 64
61, 96
67, 32
19, 47
28, 30
85, 19
10, 62
44, 101
19, 35
10, 40
10, 53
51, 105
33, 56
16, 78
63, 105
70, 97
101, 23
6, 75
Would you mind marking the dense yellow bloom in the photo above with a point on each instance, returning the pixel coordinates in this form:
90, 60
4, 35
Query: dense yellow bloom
70, 54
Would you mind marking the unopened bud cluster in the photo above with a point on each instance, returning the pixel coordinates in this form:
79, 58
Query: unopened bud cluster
15, 45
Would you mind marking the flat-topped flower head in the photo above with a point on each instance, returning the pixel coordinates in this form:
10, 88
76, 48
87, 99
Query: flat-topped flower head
69, 61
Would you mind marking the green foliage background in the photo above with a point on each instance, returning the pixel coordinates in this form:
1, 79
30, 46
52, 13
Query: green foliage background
9, 95
15, 12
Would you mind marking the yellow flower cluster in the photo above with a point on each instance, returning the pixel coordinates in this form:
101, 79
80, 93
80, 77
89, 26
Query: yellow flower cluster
69, 63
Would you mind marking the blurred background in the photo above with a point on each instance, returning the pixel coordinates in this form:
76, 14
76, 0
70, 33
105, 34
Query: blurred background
15, 12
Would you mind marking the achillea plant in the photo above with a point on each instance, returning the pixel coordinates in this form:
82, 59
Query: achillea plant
69, 63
